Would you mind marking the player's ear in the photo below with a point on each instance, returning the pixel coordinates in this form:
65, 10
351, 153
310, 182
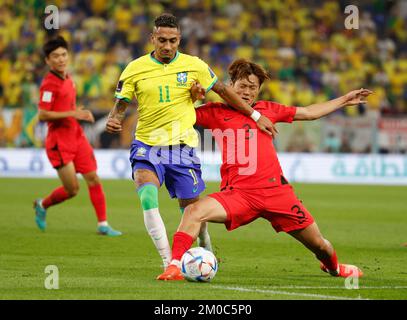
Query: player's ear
153, 33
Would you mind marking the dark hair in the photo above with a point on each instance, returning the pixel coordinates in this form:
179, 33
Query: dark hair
242, 68
53, 44
166, 20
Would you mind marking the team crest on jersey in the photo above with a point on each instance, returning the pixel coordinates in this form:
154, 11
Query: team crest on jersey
182, 77
141, 152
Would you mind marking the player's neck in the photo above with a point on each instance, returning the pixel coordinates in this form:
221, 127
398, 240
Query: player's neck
59, 74
166, 61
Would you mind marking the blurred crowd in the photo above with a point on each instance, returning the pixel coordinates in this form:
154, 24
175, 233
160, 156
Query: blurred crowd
304, 45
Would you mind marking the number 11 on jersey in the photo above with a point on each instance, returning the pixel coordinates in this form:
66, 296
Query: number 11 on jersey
167, 94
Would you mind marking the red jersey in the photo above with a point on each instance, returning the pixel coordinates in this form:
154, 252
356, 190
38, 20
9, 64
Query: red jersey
249, 159
59, 94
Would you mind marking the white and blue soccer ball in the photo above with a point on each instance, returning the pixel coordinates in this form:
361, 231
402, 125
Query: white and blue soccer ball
199, 264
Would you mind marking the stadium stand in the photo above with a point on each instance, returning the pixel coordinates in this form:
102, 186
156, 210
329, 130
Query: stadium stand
304, 45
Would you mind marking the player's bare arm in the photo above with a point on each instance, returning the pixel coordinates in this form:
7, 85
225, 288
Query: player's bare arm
79, 114
116, 116
231, 97
318, 110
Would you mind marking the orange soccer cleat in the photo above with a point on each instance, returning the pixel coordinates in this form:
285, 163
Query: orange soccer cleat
345, 270
171, 273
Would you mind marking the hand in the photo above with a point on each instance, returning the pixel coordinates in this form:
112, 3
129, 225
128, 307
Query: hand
197, 92
267, 126
113, 125
356, 96
85, 115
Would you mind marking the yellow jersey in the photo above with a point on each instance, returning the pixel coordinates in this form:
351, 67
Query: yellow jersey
165, 108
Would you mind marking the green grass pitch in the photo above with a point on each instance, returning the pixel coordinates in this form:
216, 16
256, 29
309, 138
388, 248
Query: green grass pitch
366, 224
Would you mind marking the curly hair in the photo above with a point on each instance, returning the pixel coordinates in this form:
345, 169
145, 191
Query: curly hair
242, 69
166, 20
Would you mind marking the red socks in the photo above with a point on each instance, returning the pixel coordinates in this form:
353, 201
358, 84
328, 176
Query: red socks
57, 196
97, 197
331, 263
181, 243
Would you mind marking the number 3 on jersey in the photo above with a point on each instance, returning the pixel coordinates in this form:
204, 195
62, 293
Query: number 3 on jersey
167, 94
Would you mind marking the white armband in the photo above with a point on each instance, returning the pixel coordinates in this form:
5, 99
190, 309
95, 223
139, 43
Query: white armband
255, 115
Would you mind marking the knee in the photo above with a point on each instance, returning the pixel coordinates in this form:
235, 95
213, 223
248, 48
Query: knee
145, 176
194, 213
93, 180
73, 191
138, 181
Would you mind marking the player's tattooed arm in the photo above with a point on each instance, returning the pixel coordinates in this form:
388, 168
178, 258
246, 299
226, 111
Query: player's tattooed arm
221, 90
232, 98
116, 116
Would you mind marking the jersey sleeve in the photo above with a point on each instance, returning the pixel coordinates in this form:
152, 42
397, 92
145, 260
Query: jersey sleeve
48, 94
126, 85
205, 115
206, 77
277, 112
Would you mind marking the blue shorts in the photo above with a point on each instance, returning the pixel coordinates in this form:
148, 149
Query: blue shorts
177, 165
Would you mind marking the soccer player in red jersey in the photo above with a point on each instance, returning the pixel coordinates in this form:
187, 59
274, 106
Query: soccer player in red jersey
66, 145
257, 187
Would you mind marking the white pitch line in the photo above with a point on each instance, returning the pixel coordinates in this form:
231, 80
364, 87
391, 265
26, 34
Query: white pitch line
337, 287
299, 294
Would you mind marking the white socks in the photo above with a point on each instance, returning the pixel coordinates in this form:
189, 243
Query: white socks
156, 229
204, 239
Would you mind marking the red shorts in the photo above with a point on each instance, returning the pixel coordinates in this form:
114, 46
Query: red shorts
279, 205
78, 150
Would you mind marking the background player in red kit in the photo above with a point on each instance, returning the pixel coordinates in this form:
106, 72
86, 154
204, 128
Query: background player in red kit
66, 145
256, 188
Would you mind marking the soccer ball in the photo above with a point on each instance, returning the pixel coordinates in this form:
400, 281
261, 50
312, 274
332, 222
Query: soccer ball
199, 264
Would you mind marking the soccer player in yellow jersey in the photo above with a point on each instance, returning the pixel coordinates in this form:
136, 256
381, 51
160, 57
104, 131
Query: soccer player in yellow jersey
165, 140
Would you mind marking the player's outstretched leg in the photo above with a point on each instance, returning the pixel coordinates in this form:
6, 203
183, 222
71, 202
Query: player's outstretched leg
325, 253
204, 240
206, 209
182, 241
98, 199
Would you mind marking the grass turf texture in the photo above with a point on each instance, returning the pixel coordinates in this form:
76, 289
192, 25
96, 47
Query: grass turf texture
366, 224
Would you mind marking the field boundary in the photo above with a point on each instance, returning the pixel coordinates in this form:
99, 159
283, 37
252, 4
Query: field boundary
337, 287
288, 293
